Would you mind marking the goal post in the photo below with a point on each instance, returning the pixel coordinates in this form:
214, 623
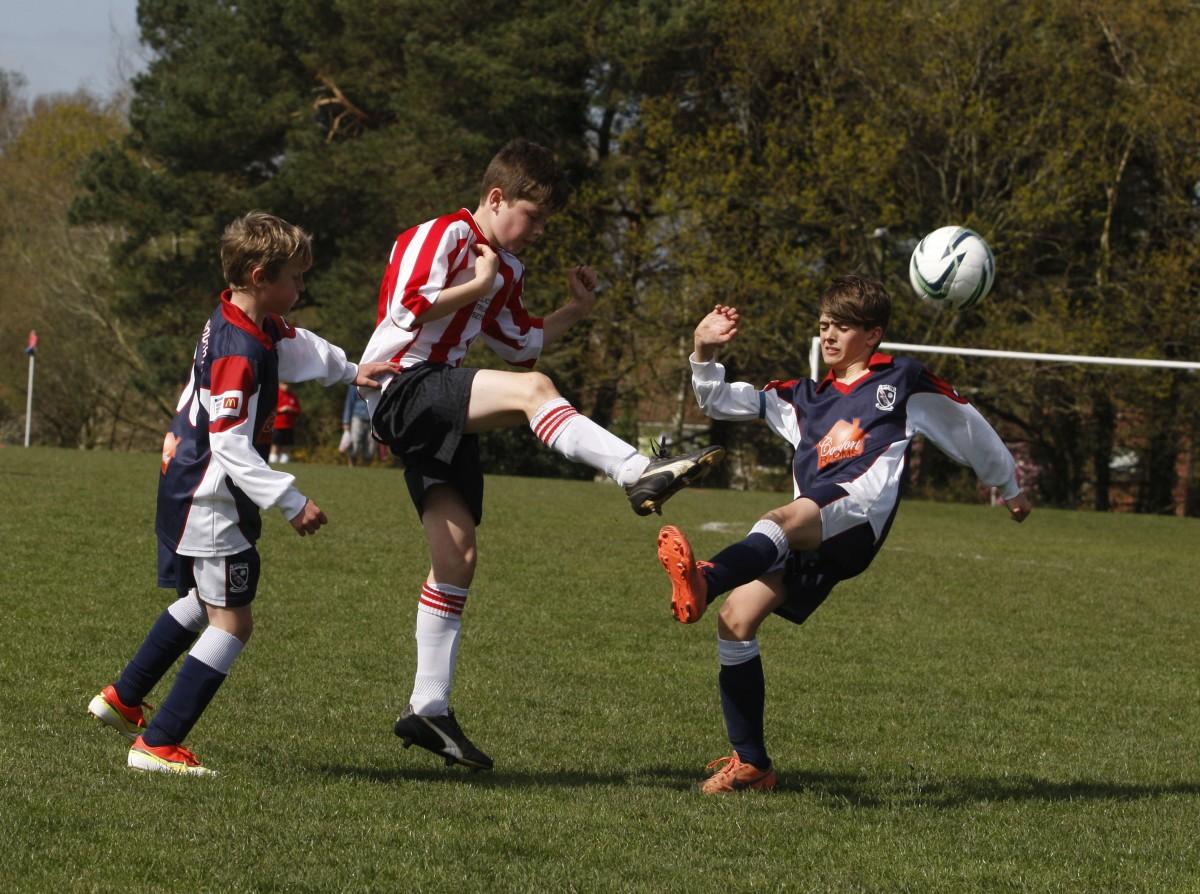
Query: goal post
814, 359
814, 356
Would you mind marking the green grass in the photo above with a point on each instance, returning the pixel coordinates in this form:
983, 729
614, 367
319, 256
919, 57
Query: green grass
991, 707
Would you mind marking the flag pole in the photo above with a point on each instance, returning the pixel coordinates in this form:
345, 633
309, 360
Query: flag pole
31, 350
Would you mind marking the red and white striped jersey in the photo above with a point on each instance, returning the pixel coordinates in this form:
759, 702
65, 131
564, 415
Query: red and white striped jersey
426, 260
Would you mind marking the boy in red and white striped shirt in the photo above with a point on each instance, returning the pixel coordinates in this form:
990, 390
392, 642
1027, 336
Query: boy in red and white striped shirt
449, 281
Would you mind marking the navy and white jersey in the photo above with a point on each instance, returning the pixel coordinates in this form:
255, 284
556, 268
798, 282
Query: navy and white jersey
215, 477
856, 436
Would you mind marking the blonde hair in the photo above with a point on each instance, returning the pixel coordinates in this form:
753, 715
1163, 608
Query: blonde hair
525, 170
259, 239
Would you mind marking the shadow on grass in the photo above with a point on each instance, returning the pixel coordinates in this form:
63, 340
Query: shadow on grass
662, 777
855, 790
922, 790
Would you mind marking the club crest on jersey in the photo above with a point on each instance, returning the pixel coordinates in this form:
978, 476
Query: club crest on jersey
885, 397
239, 577
227, 405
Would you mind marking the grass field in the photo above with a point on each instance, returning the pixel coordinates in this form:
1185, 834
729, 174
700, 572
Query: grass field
992, 707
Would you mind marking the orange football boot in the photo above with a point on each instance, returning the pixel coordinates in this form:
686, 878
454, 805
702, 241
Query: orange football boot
689, 589
108, 708
165, 759
737, 776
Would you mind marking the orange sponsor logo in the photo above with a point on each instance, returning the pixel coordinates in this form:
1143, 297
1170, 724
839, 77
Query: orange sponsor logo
230, 403
170, 445
843, 441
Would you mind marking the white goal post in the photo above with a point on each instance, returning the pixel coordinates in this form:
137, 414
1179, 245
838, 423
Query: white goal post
814, 356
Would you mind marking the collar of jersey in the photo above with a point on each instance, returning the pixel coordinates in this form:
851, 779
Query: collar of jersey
235, 316
470, 219
877, 361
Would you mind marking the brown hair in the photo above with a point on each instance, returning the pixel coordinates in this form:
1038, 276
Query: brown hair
858, 301
262, 240
525, 170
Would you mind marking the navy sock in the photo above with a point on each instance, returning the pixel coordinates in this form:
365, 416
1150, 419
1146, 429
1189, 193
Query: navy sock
743, 697
195, 685
739, 563
166, 641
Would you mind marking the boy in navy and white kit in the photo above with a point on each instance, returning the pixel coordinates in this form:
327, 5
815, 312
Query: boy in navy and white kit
851, 432
450, 281
213, 482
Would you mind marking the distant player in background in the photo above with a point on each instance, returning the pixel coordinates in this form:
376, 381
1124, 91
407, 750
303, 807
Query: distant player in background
215, 480
851, 433
357, 443
283, 437
448, 282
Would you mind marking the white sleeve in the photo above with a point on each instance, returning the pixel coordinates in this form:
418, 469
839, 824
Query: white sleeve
304, 355
231, 442
966, 437
740, 401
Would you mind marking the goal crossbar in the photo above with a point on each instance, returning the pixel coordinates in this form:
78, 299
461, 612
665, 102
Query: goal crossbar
814, 356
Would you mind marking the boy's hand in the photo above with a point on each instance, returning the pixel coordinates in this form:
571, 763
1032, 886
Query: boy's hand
309, 519
1019, 507
487, 264
581, 283
718, 328
368, 373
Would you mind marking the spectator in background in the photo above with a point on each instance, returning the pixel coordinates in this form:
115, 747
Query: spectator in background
287, 411
356, 429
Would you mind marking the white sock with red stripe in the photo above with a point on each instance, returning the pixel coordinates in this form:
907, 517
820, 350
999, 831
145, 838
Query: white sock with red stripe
439, 622
562, 428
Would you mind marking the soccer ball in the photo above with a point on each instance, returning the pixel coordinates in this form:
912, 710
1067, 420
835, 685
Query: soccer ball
952, 267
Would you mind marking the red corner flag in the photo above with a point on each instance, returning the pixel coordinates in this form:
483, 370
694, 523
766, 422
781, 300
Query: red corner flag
31, 347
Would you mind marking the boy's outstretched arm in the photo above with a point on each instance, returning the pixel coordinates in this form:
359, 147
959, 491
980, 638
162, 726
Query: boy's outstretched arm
1019, 507
581, 284
368, 376
309, 519
718, 328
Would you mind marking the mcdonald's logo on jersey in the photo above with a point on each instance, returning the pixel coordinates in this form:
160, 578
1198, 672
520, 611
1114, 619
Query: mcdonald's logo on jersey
227, 405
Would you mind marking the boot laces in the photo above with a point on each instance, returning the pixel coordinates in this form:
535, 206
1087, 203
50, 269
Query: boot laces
730, 763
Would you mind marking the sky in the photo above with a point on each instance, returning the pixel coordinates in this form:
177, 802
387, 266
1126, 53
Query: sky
60, 46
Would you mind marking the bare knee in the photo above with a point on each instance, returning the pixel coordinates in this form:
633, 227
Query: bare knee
735, 625
800, 522
454, 561
778, 516
238, 622
538, 389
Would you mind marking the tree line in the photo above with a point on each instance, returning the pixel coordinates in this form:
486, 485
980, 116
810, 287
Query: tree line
740, 153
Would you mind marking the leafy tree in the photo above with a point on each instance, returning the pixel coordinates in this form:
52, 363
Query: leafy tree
1064, 134
57, 279
741, 153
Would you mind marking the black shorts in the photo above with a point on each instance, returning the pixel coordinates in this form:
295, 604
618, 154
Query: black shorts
422, 417
283, 437
809, 577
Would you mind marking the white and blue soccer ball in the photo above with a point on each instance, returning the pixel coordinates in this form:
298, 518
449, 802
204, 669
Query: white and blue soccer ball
952, 267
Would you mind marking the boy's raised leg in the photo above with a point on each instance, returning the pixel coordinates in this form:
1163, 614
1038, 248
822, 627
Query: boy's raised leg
503, 399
